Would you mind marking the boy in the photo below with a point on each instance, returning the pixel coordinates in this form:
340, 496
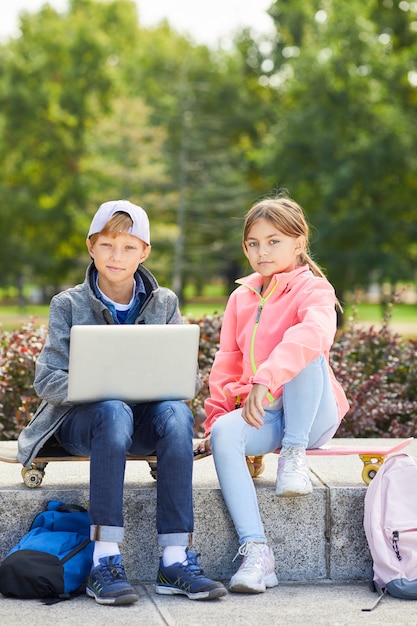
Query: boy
119, 290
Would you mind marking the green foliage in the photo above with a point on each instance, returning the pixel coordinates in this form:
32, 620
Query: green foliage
55, 81
378, 370
93, 106
343, 144
18, 353
210, 326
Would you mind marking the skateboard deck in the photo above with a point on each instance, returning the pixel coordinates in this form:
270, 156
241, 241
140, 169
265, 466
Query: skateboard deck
33, 476
372, 456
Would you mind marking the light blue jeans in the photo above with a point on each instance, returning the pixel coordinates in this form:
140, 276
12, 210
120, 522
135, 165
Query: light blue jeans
308, 418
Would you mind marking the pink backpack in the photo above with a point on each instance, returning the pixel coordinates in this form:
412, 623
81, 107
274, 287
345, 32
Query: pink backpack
390, 523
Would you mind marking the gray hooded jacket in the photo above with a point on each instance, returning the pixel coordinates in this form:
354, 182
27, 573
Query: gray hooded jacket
79, 305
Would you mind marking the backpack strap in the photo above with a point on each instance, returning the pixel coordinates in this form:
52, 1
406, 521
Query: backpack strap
381, 593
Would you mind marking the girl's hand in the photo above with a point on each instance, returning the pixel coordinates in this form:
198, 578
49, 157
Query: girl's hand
252, 411
202, 447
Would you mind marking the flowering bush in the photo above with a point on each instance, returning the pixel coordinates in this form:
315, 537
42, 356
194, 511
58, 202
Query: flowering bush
18, 352
209, 344
377, 369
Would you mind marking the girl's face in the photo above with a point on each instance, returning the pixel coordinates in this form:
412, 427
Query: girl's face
117, 257
271, 252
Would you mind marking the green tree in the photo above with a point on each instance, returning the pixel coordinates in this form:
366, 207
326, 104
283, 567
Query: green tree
345, 135
203, 100
56, 80
95, 106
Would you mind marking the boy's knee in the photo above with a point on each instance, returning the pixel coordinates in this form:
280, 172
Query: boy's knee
115, 415
178, 419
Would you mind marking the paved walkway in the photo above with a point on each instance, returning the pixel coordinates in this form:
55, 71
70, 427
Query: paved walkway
323, 604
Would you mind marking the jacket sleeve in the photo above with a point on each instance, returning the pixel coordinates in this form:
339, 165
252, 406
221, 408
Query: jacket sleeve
226, 368
311, 335
51, 373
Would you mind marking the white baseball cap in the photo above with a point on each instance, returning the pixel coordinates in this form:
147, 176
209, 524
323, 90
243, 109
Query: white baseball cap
139, 218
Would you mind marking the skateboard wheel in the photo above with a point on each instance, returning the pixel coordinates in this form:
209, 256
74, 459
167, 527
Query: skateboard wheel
259, 466
249, 463
32, 477
369, 472
255, 465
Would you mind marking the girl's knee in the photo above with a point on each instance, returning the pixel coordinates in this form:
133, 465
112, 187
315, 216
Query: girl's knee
222, 432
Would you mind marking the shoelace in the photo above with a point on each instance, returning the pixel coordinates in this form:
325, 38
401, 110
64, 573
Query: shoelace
114, 571
294, 459
192, 565
249, 550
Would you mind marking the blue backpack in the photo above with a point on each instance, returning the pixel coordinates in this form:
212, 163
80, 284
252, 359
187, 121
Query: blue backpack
53, 559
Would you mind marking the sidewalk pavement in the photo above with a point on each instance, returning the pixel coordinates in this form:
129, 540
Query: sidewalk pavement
324, 604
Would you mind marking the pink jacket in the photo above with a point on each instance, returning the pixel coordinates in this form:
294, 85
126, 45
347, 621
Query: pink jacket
269, 339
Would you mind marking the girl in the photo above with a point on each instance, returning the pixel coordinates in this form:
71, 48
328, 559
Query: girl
271, 385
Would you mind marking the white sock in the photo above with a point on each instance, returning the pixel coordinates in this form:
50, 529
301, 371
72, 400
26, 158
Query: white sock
173, 554
104, 548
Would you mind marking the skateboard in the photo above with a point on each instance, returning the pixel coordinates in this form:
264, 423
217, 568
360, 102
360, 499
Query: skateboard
33, 476
372, 457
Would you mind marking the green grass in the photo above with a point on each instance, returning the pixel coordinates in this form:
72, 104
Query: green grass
404, 313
197, 310
11, 317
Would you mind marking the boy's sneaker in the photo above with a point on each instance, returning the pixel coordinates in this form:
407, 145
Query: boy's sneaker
293, 478
187, 579
257, 571
107, 582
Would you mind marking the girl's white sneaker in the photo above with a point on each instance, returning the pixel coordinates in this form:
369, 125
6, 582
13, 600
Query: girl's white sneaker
257, 571
293, 478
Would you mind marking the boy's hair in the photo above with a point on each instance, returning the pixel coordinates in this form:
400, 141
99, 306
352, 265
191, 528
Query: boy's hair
288, 217
119, 222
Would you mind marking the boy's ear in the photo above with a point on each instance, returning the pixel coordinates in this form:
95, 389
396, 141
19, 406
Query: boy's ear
146, 252
89, 247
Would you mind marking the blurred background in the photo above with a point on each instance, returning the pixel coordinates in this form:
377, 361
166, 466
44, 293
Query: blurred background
195, 111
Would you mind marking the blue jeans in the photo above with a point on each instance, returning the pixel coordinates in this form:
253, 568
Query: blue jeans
308, 418
107, 432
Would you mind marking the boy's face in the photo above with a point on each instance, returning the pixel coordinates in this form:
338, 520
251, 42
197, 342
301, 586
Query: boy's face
117, 256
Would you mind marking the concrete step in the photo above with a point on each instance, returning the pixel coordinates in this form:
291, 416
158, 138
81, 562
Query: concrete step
315, 538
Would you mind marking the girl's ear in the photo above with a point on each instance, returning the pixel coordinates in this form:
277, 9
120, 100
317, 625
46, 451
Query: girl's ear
245, 252
300, 244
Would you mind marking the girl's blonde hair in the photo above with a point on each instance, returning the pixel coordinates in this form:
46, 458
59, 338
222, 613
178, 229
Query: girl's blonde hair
119, 222
288, 217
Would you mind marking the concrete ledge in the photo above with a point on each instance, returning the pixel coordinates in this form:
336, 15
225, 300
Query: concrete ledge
315, 538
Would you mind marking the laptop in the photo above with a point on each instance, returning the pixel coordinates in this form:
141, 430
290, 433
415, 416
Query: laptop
134, 363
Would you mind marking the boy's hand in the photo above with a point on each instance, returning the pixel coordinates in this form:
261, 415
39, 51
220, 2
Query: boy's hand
203, 447
253, 411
